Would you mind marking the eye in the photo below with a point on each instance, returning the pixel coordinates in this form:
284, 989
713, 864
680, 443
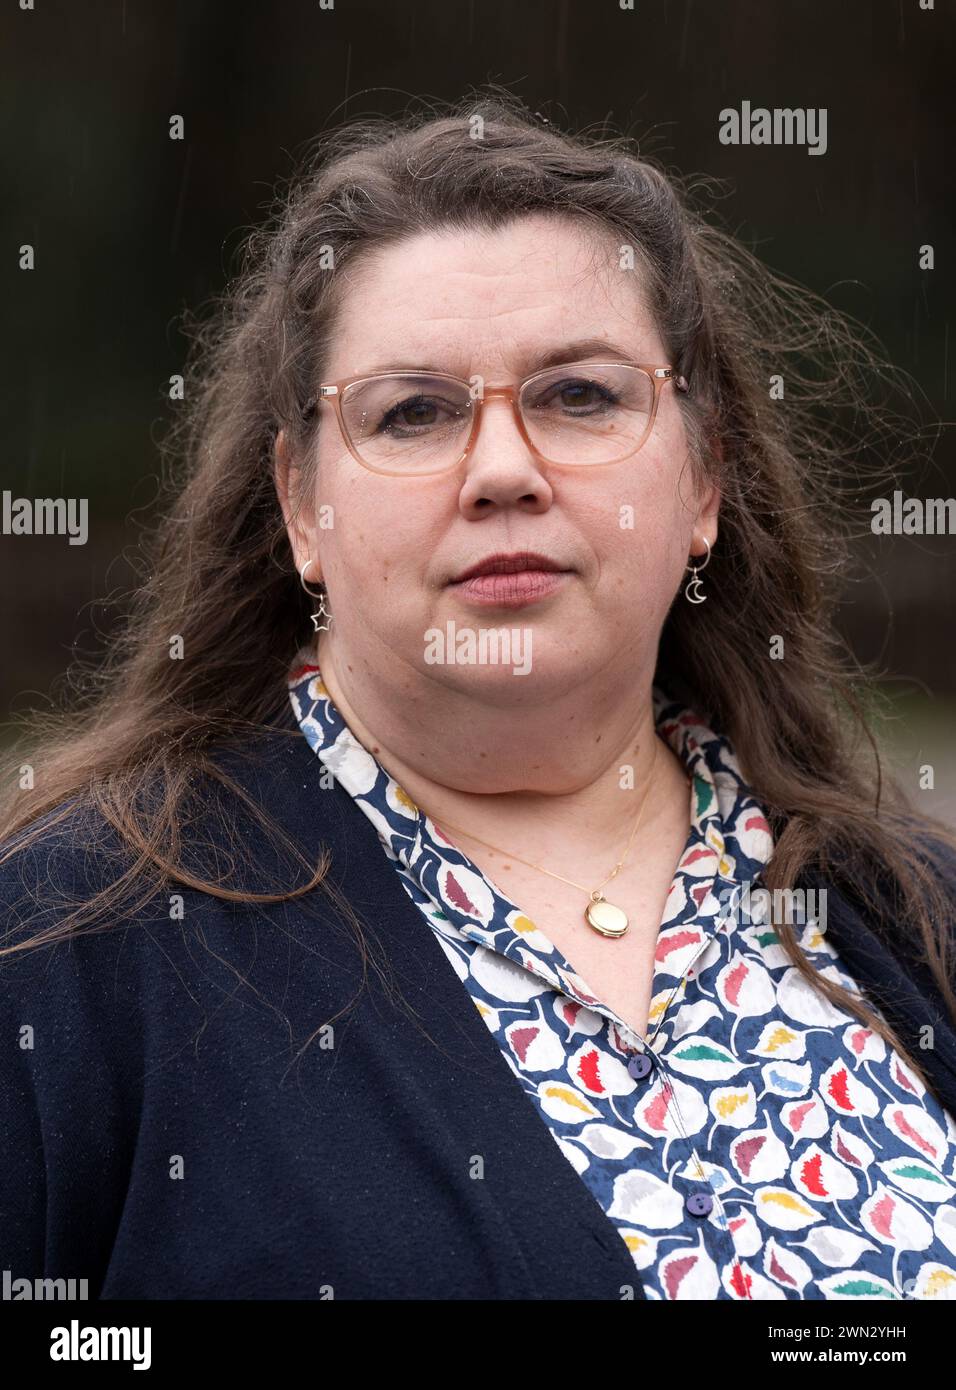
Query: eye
417, 414
578, 394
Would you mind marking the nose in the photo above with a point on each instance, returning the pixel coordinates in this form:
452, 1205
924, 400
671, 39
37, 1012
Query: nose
501, 470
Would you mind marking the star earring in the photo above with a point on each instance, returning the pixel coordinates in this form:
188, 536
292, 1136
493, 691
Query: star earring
693, 593
323, 611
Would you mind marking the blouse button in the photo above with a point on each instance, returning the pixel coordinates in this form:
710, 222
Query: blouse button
639, 1066
699, 1203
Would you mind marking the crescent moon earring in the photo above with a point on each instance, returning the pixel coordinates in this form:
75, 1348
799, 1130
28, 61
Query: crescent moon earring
323, 611
693, 593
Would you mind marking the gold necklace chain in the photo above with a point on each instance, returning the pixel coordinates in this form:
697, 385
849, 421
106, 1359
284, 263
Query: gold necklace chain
604, 917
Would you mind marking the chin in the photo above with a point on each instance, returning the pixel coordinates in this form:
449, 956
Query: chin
518, 677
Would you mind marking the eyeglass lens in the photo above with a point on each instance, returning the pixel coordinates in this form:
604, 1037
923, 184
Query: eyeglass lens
583, 414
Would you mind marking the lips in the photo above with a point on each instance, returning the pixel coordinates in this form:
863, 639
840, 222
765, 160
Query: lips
514, 563
510, 580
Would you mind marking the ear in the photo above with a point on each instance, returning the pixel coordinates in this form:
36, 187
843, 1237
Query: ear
297, 511
709, 502
707, 515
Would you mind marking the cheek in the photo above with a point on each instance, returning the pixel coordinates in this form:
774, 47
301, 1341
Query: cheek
644, 536
667, 496
649, 510
378, 539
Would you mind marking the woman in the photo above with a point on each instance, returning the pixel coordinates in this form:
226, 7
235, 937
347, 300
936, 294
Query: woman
430, 950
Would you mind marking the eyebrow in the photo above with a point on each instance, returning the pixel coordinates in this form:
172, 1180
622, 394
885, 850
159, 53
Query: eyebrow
584, 347
577, 351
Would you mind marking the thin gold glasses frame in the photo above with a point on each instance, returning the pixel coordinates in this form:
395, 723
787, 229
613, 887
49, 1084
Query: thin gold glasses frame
331, 392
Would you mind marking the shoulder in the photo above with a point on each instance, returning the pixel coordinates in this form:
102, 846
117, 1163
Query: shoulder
71, 1030
84, 907
69, 967
248, 786
108, 971
867, 913
68, 847
886, 936
936, 854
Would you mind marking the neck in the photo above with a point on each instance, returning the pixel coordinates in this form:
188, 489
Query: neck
579, 763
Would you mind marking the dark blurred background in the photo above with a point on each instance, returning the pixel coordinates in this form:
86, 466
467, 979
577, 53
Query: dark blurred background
132, 228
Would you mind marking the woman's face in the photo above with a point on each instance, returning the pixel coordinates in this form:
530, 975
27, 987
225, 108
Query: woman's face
493, 305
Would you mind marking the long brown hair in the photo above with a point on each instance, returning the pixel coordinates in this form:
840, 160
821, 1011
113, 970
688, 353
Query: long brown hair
135, 748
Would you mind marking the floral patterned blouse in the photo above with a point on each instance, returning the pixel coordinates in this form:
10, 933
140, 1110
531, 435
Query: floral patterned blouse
759, 1143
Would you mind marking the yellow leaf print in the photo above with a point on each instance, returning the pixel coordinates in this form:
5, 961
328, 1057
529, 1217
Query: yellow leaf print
569, 1097
938, 1283
405, 800
732, 1102
784, 1199
633, 1241
780, 1037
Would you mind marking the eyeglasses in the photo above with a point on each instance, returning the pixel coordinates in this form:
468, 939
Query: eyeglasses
414, 423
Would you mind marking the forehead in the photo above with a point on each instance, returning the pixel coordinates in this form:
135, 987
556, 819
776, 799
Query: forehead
482, 299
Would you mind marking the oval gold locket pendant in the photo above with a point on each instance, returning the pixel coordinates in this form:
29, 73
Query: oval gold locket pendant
605, 918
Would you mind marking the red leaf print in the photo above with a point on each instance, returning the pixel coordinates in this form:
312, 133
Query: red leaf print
569, 1011
521, 1039
799, 1113
779, 1273
917, 1138
882, 1216
746, 1151
901, 1079
702, 852
740, 1282
756, 823
456, 894
735, 981
656, 1112
847, 1155
810, 1176
677, 1272
838, 1089
588, 1070
677, 942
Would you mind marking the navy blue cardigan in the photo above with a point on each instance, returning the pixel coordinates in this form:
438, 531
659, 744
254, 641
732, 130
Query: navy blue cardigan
166, 1133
